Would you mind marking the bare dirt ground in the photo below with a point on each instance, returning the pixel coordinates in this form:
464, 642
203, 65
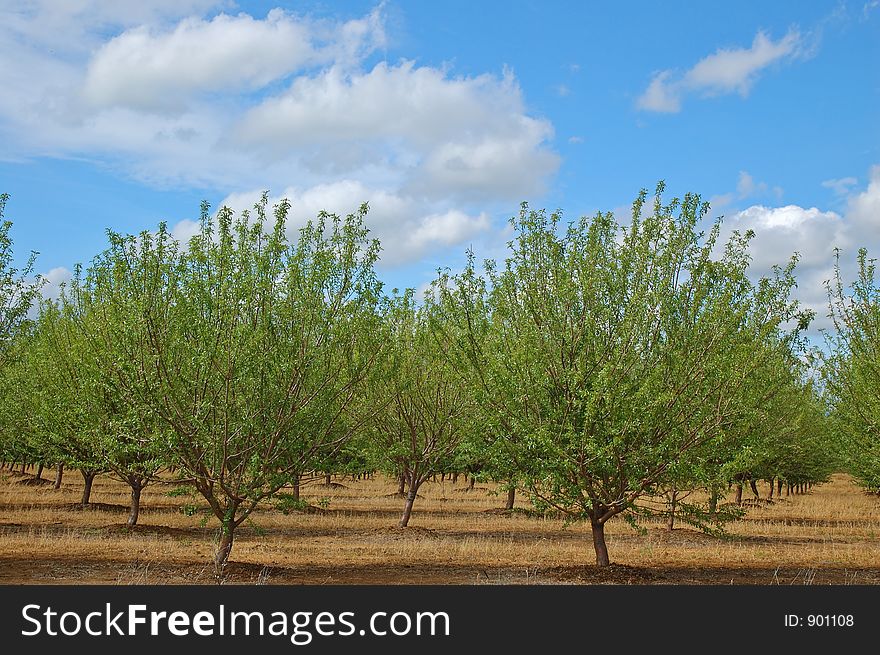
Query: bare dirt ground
456, 536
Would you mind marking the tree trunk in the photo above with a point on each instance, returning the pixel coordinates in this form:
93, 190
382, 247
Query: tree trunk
136, 488
713, 502
473, 480
407, 507
40, 471
599, 543
772, 486
779, 487
59, 473
511, 498
754, 485
739, 494
296, 487
670, 521
224, 548
327, 480
88, 478
401, 484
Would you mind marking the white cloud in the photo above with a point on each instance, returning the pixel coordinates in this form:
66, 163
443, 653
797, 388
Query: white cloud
54, 280
727, 70
661, 95
176, 94
814, 234
185, 230
780, 231
840, 186
746, 185
469, 136
149, 69
863, 210
735, 70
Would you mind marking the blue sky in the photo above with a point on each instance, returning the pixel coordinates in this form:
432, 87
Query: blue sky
444, 116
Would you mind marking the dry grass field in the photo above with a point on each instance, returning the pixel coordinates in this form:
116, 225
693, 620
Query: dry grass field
456, 536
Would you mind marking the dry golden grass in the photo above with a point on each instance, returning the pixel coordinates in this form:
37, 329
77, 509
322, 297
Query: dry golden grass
826, 536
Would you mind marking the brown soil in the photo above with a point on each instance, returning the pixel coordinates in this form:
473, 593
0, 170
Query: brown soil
828, 536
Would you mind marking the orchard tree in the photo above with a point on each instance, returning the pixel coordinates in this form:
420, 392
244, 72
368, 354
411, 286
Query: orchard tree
17, 295
248, 347
63, 394
17, 292
851, 369
606, 354
423, 409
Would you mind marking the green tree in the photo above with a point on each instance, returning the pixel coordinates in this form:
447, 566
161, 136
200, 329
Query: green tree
62, 394
851, 369
18, 293
423, 410
248, 347
608, 353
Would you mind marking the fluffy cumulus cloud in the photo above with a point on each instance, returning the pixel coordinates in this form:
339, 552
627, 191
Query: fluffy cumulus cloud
814, 234
182, 94
153, 69
728, 70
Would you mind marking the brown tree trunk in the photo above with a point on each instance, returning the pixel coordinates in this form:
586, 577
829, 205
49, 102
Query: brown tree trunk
738, 499
224, 548
779, 487
401, 484
713, 502
135, 510
59, 473
471, 486
772, 485
754, 485
599, 543
296, 487
670, 521
511, 498
327, 480
40, 471
88, 478
407, 507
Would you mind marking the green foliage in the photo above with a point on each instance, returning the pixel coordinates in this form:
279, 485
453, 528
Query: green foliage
246, 347
851, 369
286, 503
178, 492
422, 411
606, 356
17, 292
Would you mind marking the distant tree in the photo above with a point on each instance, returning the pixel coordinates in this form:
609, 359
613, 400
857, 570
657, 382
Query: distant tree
423, 410
63, 396
607, 354
851, 369
18, 292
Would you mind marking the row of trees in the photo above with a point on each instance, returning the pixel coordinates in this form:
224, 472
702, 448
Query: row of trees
598, 368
